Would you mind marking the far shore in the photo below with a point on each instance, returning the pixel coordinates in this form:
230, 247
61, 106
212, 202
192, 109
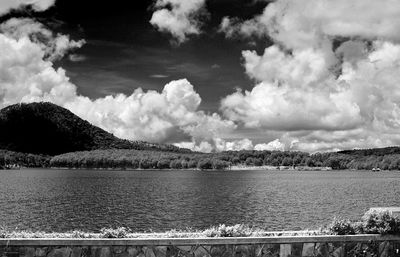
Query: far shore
267, 167
231, 168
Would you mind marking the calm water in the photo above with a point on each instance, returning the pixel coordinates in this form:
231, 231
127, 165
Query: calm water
62, 200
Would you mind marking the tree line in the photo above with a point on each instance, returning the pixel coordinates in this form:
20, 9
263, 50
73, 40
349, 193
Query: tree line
146, 159
10, 158
135, 159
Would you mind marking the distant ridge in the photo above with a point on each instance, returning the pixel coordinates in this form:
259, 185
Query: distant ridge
46, 128
373, 151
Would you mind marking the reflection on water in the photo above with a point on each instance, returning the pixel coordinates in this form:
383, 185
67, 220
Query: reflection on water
63, 200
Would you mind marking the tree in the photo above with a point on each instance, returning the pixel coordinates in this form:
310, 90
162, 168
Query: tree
235, 160
258, 162
175, 164
192, 164
297, 160
310, 162
219, 164
287, 161
205, 164
249, 161
333, 162
163, 164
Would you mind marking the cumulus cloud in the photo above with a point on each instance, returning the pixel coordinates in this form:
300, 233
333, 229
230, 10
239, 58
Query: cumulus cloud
180, 18
217, 144
37, 5
233, 27
171, 114
236, 145
329, 81
274, 145
27, 74
307, 23
54, 46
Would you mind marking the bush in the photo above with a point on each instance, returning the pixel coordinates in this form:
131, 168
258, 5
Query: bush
380, 222
120, 232
3, 233
373, 222
342, 227
238, 230
79, 234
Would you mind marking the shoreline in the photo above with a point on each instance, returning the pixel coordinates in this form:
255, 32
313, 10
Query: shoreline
276, 168
231, 168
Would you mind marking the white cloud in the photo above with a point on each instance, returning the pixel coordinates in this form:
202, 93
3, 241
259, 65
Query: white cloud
217, 144
203, 146
305, 23
152, 116
54, 46
180, 18
233, 27
37, 5
27, 74
331, 79
236, 145
159, 76
274, 145
295, 92
77, 58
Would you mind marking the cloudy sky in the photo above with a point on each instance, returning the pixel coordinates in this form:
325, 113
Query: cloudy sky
212, 75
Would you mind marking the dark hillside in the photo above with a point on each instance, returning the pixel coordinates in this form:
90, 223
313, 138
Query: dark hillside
374, 151
45, 128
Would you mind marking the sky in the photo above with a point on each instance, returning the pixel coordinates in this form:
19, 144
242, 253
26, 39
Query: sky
212, 75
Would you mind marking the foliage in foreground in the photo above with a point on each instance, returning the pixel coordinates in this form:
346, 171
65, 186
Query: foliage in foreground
238, 230
374, 222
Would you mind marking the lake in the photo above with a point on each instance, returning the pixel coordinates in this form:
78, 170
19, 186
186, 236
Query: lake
64, 200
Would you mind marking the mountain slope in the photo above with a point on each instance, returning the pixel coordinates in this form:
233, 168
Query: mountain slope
45, 128
374, 151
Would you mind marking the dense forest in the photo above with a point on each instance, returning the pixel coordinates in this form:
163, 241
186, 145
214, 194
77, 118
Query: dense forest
147, 159
45, 128
10, 158
134, 159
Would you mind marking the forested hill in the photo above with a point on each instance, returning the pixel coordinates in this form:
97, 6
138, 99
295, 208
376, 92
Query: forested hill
44, 134
374, 151
45, 128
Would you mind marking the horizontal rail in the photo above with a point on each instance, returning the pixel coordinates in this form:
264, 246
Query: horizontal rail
193, 241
